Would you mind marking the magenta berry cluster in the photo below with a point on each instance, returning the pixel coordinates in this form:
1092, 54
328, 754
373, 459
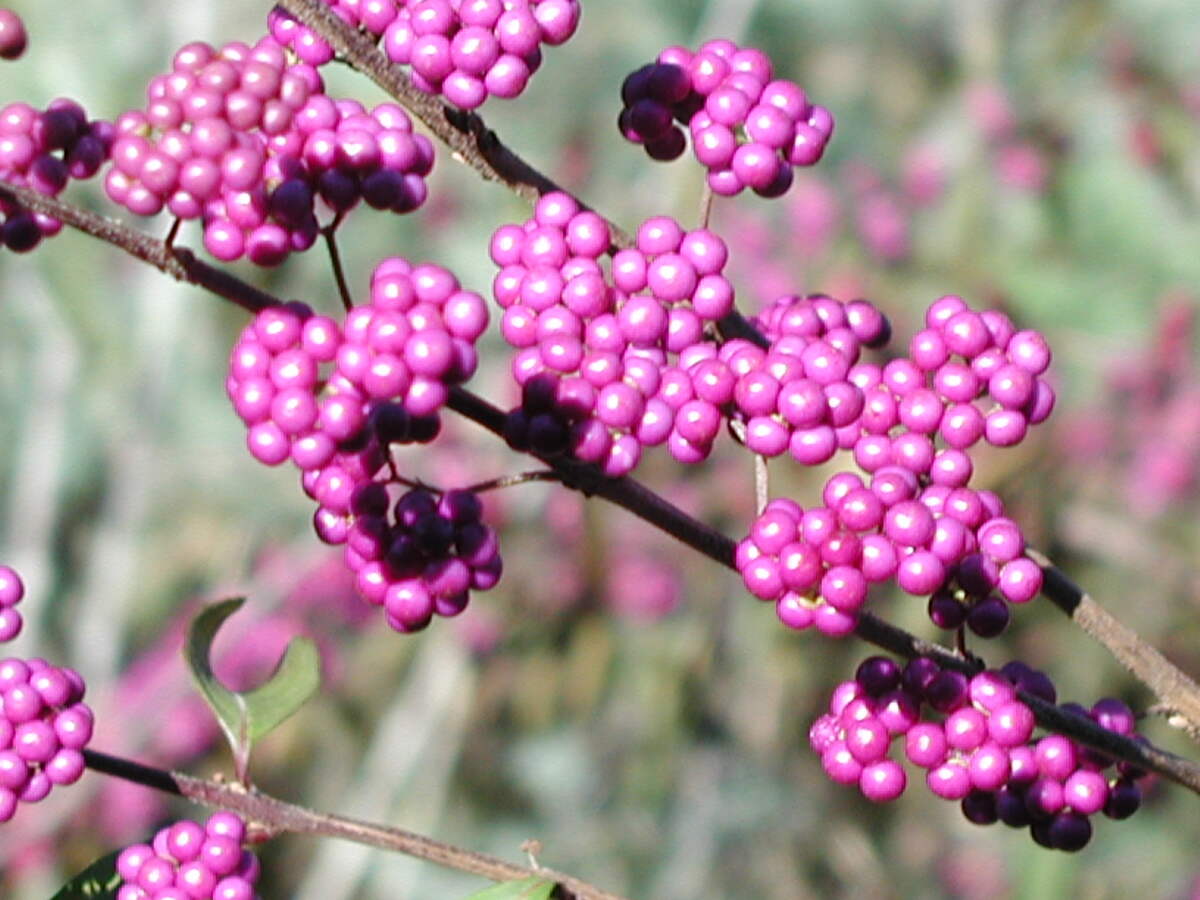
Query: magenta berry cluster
190, 861
43, 150
334, 398
464, 51
910, 423
600, 349
307, 387
796, 394
748, 128
247, 141
44, 724
955, 546
973, 737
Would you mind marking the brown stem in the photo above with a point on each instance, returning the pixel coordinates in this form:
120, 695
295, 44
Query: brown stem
178, 262
465, 133
280, 816
1174, 690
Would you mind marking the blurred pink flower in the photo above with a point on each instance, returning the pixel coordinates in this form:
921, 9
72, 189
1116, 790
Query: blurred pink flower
1021, 165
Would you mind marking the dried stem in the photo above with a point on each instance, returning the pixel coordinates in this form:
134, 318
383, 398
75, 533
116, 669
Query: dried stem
279, 816
1175, 690
762, 483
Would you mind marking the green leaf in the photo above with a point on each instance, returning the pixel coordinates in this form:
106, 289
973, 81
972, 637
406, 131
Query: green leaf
99, 881
246, 716
532, 888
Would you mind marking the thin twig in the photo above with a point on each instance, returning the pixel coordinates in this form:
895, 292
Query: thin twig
280, 816
507, 481
706, 204
173, 232
178, 262
329, 232
1174, 690
762, 483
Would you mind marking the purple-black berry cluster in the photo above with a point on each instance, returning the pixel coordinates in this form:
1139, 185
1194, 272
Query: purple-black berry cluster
748, 128
43, 150
425, 557
189, 861
981, 750
246, 140
601, 349
464, 51
44, 724
334, 398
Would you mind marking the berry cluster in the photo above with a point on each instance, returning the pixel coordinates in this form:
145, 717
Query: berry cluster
597, 349
953, 545
189, 861
43, 150
969, 377
44, 724
334, 398
307, 388
426, 558
981, 752
248, 142
797, 395
465, 51
748, 128
13, 38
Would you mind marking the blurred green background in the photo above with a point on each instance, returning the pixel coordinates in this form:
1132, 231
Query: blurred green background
634, 711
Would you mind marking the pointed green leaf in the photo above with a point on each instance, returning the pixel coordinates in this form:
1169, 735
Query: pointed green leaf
532, 888
295, 680
247, 716
225, 704
99, 881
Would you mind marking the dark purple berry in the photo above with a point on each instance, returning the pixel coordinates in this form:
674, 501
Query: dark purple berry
878, 675
1070, 832
918, 673
1010, 807
979, 807
945, 611
1124, 798
946, 691
988, 617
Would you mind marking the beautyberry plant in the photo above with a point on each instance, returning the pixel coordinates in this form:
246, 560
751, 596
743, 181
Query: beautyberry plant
867, 440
